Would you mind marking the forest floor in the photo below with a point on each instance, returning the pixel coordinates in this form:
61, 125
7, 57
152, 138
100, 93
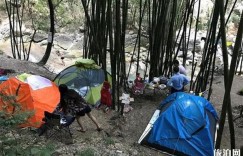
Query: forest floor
121, 133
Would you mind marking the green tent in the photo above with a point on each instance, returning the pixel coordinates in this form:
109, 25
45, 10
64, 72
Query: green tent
86, 77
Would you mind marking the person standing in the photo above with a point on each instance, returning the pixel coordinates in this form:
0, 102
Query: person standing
72, 103
105, 99
181, 68
177, 82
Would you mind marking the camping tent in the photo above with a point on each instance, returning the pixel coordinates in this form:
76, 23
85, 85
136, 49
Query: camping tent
86, 77
184, 124
33, 93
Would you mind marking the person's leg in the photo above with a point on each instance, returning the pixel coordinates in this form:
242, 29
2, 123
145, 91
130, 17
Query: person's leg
79, 123
172, 90
94, 121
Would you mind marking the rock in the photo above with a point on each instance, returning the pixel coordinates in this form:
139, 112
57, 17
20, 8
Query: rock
189, 55
134, 36
187, 63
28, 32
198, 48
78, 45
17, 30
73, 54
64, 41
44, 42
82, 29
40, 36
205, 10
180, 54
118, 145
143, 49
26, 39
142, 65
134, 152
128, 39
129, 49
4, 27
20, 67
79, 37
131, 32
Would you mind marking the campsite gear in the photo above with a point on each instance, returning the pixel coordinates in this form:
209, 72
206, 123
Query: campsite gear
162, 86
156, 80
146, 79
184, 124
56, 126
33, 93
163, 80
86, 77
126, 99
106, 94
65, 119
3, 78
5, 71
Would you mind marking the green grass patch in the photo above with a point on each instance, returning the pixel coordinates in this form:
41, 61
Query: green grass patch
87, 152
109, 141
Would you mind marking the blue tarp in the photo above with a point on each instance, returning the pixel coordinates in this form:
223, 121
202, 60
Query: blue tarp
186, 126
3, 78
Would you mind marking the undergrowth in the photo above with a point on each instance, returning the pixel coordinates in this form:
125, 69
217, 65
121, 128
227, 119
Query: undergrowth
12, 140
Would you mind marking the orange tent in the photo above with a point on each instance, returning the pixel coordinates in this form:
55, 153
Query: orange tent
33, 93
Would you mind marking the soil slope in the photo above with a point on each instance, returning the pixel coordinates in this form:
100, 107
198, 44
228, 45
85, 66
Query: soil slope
121, 133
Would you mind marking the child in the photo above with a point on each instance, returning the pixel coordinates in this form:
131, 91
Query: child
106, 95
138, 86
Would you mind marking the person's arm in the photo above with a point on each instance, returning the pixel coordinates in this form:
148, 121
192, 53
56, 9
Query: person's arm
169, 83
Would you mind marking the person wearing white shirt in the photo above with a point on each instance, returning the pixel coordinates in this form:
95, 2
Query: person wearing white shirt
182, 69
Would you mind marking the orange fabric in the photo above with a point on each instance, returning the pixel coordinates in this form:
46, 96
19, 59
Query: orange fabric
40, 100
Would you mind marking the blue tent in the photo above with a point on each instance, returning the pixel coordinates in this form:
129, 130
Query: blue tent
184, 124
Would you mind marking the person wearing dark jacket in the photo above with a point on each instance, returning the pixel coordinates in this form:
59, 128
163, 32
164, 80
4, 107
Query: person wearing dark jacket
73, 104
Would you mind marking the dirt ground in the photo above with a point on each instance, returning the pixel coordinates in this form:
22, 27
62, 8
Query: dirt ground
121, 133
236, 102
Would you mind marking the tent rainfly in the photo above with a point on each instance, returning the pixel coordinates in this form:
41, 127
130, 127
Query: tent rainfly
86, 77
33, 93
184, 124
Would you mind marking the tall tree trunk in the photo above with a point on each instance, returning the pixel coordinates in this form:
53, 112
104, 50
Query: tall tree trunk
46, 56
117, 48
228, 81
226, 103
